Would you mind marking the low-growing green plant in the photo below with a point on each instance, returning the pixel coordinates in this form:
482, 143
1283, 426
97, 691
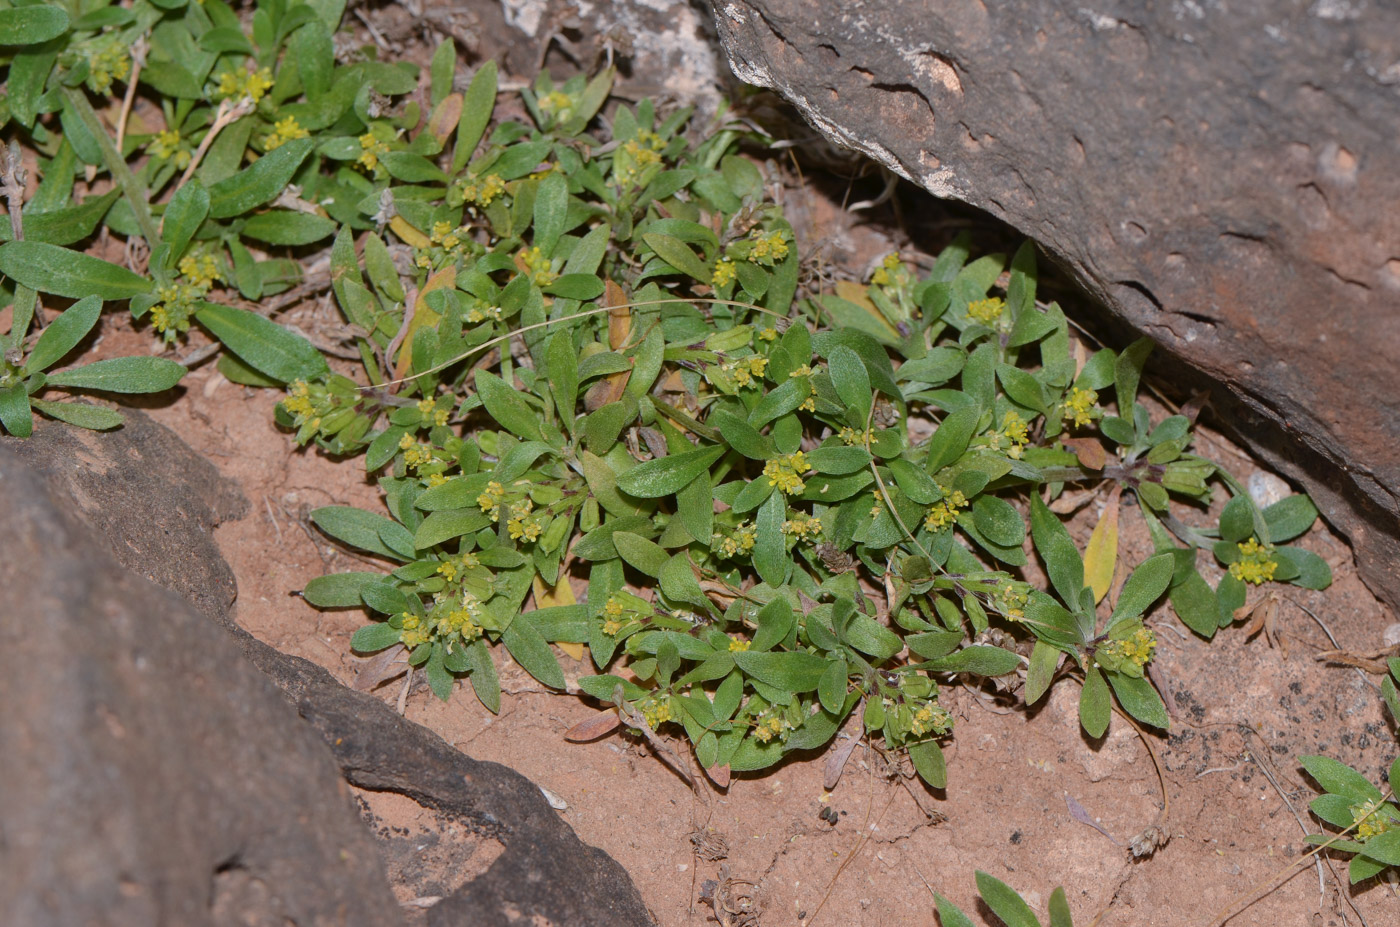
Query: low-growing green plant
586, 352
1369, 817
1007, 904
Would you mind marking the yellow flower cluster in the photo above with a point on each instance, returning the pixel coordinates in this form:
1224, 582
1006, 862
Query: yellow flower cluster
786, 472
852, 438
537, 266
201, 270
1011, 601
1137, 649
741, 542
1079, 408
802, 526
285, 130
615, 617
491, 498
298, 401
1011, 438
945, 512
770, 725
171, 315
107, 62
747, 371
517, 527
1256, 564
657, 713
477, 314
724, 273
810, 403
558, 104
890, 265
928, 718
482, 191
250, 83
767, 248
166, 145
416, 455
1371, 818
448, 237
737, 643
986, 311
372, 148
768, 334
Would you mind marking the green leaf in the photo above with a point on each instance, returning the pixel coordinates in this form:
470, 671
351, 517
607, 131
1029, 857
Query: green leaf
184, 214
1126, 373
852, 383
770, 557
79, 414
63, 334
31, 25
640, 553
1095, 705
15, 414
263, 344
551, 210
507, 407
1139, 699
355, 527
1237, 519
831, 689
1195, 604
676, 253
949, 914
870, 637
678, 583
1340, 779
67, 225
1004, 902
1312, 572
1059, 909
979, 659
374, 637
338, 590
1045, 659
479, 101
51, 269
747, 440
122, 375
665, 476
260, 182
1144, 587
484, 681
1056, 547
780, 401
929, 763
1289, 517
576, 286
999, 521
528, 647
1362, 868
288, 227
792, 671
951, 439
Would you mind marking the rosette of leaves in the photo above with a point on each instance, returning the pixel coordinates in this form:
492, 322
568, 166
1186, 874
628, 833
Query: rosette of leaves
1369, 818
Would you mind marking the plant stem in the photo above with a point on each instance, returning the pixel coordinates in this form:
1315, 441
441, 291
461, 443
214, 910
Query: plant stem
132, 189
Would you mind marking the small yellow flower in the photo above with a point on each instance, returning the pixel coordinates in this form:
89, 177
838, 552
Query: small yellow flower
558, 104
945, 512
1256, 564
250, 83
767, 248
435, 480
440, 417
769, 334
202, 270
657, 713
417, 455
285, 130
165, 144
449, 570
1137, 649
785, 472
537, 266
405, 442
1371, 819
986, 311
371, 150
1079, 407
737, 644
803, 527
425, 407
724, 272
491, 499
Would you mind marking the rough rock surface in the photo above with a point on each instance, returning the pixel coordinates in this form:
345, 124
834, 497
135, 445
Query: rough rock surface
72, 502
151, 775
1222, 176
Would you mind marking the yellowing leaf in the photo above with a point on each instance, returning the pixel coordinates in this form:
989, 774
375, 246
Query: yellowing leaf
422, 315
408, 234
561, 594
1101, 556
446, 114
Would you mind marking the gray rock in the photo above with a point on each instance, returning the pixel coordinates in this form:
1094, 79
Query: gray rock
142, 497
151, 775
1222, 176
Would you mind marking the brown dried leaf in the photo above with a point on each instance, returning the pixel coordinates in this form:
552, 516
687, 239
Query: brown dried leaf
604, 722
381, 667
1089, 451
